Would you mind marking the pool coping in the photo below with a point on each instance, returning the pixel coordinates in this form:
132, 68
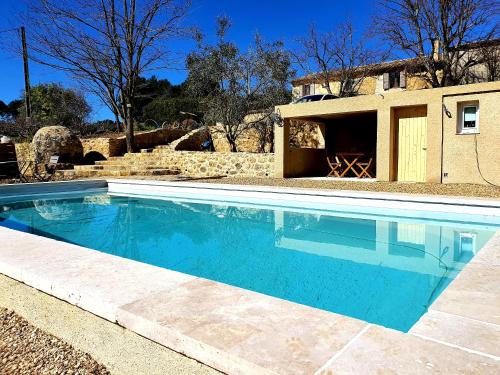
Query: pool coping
238, 331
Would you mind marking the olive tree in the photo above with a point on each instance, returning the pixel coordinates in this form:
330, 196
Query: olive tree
238, 90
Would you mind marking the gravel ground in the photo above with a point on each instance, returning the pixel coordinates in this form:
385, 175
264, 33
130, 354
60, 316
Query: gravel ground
466, 190
121, 351
25, 349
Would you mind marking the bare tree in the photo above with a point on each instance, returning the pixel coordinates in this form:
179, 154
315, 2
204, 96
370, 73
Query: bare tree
433, 32
487, 56
336, 56
105, 44
231, 84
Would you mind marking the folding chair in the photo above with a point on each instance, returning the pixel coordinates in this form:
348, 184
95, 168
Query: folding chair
50, 169
365, 168
335, 166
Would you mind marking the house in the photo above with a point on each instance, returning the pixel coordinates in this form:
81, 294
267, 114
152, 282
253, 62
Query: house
377, 78
411, 132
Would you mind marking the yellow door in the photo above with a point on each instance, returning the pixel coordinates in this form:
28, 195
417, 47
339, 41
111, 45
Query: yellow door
412, 144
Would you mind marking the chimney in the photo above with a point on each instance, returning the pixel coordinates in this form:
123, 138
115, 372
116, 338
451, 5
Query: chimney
435, 49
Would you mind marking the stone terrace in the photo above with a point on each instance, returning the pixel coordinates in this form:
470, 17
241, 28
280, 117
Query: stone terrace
165, 161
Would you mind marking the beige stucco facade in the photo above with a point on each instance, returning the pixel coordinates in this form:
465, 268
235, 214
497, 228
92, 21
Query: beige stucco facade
450, 156
369, 85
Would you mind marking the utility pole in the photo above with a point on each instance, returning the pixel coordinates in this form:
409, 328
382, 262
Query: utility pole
27, 87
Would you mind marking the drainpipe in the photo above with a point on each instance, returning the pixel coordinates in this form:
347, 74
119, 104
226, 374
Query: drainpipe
445, 110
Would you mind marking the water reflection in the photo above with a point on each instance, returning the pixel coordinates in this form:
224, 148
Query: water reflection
386, 272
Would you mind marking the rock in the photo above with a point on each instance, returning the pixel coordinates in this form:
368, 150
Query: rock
57, 140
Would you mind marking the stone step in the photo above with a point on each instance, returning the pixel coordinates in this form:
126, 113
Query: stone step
124, 167
122, 173
141, 164
126, 161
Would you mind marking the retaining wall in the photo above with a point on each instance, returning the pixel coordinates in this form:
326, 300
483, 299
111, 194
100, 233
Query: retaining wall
118, 146
211, 164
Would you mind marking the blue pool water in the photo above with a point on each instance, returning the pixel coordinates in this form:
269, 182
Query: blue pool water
382, 270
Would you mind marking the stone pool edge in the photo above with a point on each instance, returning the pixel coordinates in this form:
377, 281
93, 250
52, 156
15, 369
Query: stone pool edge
239, 331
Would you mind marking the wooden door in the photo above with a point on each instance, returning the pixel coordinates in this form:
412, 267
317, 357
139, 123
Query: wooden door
412, 144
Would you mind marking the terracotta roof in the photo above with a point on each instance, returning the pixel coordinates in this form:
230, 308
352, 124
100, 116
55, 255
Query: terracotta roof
479, 44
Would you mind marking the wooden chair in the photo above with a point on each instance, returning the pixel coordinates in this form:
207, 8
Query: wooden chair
49, 169
335, 166
8, 161
365, 168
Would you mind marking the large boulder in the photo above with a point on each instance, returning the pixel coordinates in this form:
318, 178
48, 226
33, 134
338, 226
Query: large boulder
57, 140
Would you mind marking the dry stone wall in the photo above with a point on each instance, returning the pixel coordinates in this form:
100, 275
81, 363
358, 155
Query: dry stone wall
24, 151
118, 146
212, 164
248, 141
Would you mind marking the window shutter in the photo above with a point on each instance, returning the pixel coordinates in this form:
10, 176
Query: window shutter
402, 79
386, 81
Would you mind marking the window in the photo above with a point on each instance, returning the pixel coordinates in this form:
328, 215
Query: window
394, 80
469, 119
306, 90
466, 247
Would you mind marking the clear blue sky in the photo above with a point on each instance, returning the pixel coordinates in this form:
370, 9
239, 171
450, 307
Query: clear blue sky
273, 19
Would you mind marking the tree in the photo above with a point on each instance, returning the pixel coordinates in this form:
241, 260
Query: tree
105, 44
487, 55
168, 110
9, 112
231, 83
52, 104
434, 32
149, 89
336, 56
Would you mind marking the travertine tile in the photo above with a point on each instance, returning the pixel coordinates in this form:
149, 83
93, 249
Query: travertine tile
95, 281
383, 351
473, 294
275, 335
456, 330
490, 253
20, 252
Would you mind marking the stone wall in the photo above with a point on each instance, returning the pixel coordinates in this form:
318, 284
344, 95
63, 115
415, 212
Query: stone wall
302, 134
248, 141
307, 134
24, 151
212, 164
118, 146
192, 141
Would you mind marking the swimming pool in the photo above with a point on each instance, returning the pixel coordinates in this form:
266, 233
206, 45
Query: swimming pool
382, 269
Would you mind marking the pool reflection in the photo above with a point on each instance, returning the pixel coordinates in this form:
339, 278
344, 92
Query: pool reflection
382, 271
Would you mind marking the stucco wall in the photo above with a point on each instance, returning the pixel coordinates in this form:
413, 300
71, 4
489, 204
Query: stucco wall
308, 162
455, 148
459, 150
370, 85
